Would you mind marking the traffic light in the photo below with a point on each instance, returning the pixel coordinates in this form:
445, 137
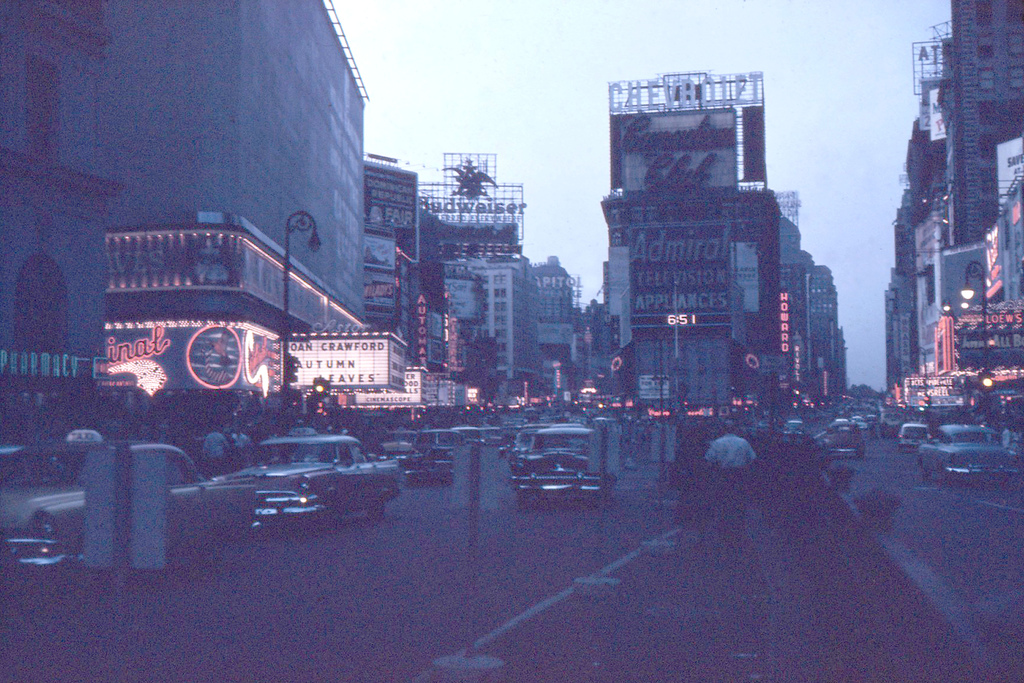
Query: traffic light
321, 387
291, 370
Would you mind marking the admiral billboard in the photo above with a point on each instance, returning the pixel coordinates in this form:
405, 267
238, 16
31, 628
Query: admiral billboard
680, 271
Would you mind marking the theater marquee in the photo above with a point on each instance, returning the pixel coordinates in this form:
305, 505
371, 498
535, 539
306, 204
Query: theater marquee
351, 361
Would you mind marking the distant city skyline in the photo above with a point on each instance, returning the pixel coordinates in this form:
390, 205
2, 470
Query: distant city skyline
528, 81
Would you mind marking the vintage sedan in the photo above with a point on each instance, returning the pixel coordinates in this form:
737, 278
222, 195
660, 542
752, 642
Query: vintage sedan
43, 501
562, 462
842, 439
435, 457
966, 452
306, 473
911, 436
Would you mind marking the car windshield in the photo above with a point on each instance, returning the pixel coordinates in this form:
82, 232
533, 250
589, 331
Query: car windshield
974, 436
429, 439
574, 442
915, 432
297, 453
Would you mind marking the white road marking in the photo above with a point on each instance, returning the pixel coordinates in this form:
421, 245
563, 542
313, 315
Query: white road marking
997, 505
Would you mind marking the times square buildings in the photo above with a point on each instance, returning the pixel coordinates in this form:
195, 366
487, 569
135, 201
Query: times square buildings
709, 314
153, 156
959, 222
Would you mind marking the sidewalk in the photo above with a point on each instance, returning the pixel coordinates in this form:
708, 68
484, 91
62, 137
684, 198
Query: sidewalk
804, 596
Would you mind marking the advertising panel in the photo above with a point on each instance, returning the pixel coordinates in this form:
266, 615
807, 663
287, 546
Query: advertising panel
682, 91
379, 288
680, 272
463, 302
674, 152
1009, 162
745, 260
938, 122
389, 196
921, 390
412, 396
351, 361
1003, 328
471, 197
378, 252
994, 243
190, 259
176, 354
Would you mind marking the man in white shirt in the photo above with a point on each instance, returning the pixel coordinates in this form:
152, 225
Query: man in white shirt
730, 457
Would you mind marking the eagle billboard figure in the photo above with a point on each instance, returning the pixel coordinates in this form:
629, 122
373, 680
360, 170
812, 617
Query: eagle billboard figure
471, 180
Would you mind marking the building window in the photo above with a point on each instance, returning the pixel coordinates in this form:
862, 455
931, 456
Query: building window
501, 293
984, 12
986, 79
1017, 77
501, 307
42, 107
1015, 11
985, 51
1015, 43
40, 306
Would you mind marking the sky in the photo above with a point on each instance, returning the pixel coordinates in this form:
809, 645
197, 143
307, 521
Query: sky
527, 80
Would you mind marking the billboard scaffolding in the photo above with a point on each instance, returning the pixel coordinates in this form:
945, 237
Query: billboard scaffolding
471, 197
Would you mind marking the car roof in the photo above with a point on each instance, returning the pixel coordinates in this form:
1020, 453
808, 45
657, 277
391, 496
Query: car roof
914, 424
564, 429
960, 428
313, 438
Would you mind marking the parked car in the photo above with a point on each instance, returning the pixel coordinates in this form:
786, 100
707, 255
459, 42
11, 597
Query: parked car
911, 436
966, 452
842, 439
562, 462
305, 473
43, 501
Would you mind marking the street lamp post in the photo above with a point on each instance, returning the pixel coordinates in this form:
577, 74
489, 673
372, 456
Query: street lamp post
976, 270
300, 221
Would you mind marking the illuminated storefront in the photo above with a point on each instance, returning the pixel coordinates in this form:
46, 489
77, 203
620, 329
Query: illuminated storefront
372, 360
192, 354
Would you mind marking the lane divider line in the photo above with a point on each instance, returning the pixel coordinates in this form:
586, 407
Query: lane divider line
555, 599
997, 505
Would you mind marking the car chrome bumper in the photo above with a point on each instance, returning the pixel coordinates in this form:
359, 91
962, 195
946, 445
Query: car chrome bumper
34, 551
274, 503
967, 471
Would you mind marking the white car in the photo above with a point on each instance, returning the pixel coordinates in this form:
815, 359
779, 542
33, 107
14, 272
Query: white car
911, 435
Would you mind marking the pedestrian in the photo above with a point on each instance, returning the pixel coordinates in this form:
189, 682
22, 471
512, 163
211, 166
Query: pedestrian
728, 460
215, 452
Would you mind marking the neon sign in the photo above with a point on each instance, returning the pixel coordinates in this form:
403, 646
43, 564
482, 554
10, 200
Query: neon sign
190, 354
140, 349
784, 322
421, 329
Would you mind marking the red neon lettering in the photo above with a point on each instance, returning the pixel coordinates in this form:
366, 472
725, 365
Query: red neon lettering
140, 348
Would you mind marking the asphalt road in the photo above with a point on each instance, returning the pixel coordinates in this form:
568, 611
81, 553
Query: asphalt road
800, 595
962, 543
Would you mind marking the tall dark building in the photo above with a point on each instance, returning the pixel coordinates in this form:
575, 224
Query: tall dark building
692, 223
983, 103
